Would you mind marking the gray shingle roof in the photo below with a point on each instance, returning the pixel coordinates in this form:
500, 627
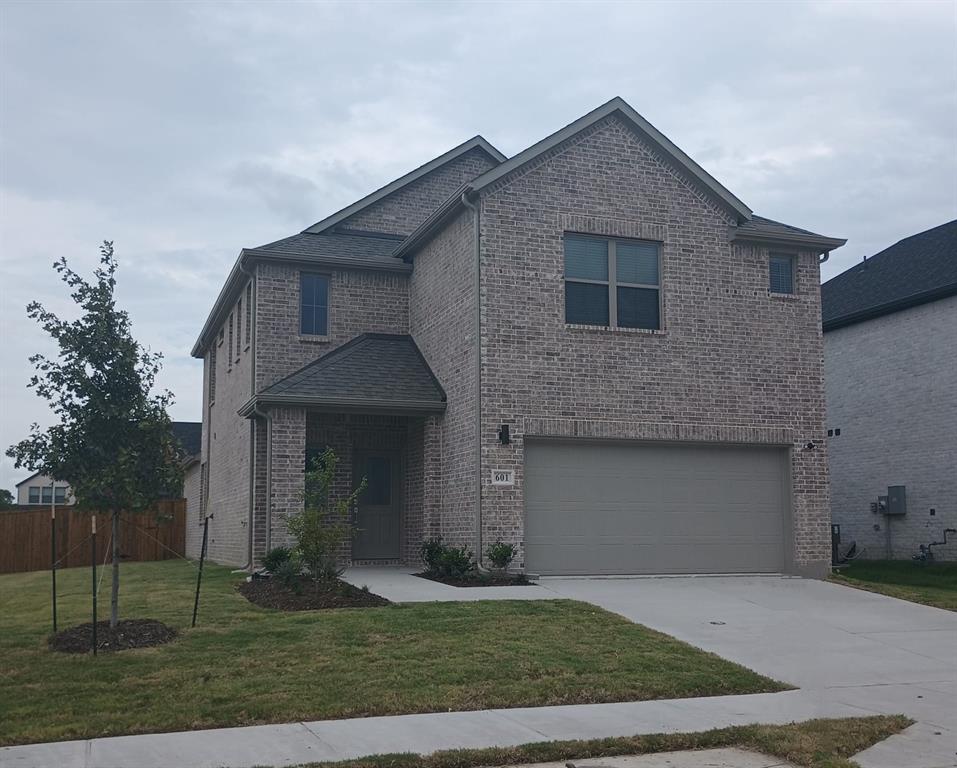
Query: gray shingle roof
762, 225
916, 270
373, 370
375, 249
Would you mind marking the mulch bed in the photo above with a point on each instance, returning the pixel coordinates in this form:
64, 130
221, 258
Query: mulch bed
270, 593
129, 633
491, 579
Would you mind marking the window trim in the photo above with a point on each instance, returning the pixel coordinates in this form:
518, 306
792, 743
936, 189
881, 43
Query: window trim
792, 257
613, 283
316, 336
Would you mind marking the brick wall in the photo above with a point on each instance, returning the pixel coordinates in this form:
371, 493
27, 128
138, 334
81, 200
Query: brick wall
892, 391
226, 443
442, 322
360, 301
191, 490
402, 211
728, 355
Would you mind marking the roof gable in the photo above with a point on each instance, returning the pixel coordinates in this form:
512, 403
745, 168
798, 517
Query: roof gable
915, 270
619, 107
476, 143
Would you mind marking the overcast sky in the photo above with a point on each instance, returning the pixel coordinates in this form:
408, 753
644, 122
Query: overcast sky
184, 132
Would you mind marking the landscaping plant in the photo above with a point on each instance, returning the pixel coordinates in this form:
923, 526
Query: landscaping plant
501, 554
446, 562
275, 558
113, 440
322, 526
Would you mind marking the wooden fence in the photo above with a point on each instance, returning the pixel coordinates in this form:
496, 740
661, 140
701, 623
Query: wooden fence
159, 534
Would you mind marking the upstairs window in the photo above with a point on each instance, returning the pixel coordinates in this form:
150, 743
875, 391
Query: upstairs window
612, 283
239, 327
59, 494
47, 492
212, 375
229, 349
34, 494
781, 273
313, 304
249, 311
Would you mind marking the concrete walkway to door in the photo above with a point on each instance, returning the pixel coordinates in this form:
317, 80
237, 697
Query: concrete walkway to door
852, 653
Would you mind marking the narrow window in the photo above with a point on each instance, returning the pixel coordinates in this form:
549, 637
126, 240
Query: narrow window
239, 327
222, 333
313, 304
613, 283
229, 349
781, 273
59, 494
34, 494
249, 312
212, 375
47, 492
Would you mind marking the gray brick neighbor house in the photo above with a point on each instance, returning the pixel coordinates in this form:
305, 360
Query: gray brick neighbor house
890, 351
592, 350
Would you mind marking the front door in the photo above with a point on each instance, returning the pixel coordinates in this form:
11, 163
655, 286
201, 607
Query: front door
377, 518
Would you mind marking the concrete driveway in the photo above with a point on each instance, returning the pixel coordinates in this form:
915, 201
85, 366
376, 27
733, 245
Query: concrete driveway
872, 652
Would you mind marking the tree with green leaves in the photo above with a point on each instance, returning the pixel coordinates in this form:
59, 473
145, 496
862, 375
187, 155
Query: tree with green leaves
323, 524
6, 499
113, 443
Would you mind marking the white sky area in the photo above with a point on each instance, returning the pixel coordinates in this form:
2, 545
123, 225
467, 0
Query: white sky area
184, 132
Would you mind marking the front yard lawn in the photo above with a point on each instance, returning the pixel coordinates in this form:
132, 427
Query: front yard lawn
815, 743
934, 584
244, 664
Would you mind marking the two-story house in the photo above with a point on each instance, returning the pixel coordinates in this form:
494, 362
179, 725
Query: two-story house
592, 350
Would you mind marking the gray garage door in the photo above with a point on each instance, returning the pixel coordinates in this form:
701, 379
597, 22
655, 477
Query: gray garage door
654, 508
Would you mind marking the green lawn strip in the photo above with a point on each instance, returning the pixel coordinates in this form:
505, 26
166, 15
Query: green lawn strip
930, 584
245, 665
815, 743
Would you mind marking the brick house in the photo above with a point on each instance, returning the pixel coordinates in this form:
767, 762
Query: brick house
890, 361
592, 350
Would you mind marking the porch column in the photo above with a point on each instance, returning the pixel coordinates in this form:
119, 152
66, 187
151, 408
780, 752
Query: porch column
287, 469
432, 478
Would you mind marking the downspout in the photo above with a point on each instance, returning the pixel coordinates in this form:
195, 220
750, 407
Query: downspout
824, 257
476, 237
252, 424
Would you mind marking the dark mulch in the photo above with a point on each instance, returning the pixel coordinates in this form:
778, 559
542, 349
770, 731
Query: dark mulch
270, 593
477, 579
129, 633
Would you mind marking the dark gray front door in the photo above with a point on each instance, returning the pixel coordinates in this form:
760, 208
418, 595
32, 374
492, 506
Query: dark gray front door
377, 521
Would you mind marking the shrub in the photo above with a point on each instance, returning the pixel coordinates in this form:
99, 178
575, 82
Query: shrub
446, 562
275, 557
501, 554
288, 573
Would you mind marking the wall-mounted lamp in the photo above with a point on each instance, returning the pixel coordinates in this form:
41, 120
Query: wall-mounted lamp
503, 436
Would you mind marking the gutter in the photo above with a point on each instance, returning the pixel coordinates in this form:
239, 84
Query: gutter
477, 233
251, 406
815, 242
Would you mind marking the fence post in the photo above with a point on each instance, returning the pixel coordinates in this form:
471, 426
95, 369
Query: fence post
53, 560
202, 558
93, 563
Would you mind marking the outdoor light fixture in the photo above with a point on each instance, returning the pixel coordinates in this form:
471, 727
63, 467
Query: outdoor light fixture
503, 436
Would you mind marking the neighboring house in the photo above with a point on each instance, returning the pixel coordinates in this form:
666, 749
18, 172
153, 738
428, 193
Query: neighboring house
40, 489
890, 351
591, 350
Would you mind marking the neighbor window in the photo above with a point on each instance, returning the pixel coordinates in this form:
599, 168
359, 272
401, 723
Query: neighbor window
59, 494
249, 311
34, 494
229, 349
611, 282
313, 304
239, 327
47, 492
781, 273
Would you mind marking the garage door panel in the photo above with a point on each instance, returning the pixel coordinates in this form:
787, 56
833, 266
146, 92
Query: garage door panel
654, 508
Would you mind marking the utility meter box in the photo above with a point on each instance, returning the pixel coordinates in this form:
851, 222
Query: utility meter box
896, 500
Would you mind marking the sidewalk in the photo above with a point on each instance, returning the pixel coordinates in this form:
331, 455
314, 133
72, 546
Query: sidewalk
294, 743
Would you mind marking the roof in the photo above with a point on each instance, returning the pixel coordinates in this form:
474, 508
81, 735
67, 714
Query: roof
423, 170
765, 230
348, 248
374, 371
189, 434
915, 270
27, 480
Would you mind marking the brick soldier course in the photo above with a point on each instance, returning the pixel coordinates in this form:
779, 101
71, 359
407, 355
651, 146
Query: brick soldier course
729, 364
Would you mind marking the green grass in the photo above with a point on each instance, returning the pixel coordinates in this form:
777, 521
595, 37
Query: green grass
815, 743
934, 584
245, 665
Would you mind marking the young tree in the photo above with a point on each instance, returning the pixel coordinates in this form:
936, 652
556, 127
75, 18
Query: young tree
6, 499
113, 441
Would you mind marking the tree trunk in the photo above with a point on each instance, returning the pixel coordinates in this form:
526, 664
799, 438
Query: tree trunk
115, 587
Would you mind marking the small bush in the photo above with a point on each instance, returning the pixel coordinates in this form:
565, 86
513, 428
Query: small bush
446, 562
288, 573
501, 554
275, 557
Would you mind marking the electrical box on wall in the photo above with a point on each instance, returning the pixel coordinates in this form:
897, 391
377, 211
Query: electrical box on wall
896, 500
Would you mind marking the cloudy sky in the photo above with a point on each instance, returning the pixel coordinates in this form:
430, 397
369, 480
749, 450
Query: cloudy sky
184, 132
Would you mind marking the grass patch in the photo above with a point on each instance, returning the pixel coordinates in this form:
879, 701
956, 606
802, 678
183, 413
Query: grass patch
934, 584
244, 664
816, 744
